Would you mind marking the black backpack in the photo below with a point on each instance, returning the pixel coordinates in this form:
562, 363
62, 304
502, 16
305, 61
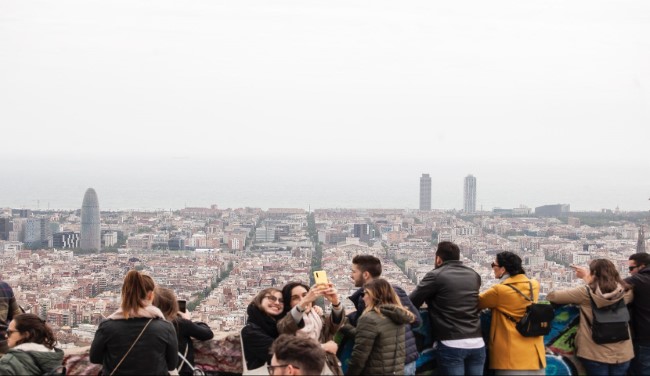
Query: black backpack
537, 319
610, 323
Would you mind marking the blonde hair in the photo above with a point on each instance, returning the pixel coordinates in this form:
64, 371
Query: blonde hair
381, 292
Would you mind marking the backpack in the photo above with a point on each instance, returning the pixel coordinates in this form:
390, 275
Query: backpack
537, 319
610, 323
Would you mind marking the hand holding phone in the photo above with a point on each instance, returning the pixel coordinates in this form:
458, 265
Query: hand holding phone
182, 305
320, 277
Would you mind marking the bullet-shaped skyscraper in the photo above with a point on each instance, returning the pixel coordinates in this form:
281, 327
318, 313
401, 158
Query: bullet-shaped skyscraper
469, 196
90, 226
425, 192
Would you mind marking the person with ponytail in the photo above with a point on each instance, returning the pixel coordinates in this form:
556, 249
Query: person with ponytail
136, 332
31, 347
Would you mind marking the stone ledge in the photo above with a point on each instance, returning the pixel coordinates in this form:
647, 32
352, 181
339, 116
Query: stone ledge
221, 355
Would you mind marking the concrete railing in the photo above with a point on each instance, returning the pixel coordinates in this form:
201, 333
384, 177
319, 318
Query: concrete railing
220, 355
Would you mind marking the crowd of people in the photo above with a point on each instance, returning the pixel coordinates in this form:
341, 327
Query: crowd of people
287, 333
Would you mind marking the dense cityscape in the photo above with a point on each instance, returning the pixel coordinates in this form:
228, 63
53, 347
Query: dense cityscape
68, 266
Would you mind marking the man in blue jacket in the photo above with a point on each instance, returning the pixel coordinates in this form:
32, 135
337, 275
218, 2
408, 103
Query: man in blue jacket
364, 269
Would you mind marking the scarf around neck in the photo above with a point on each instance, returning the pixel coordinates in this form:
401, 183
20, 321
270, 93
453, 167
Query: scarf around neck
149, 312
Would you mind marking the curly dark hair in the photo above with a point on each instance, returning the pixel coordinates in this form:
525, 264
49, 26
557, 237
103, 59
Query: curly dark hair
511, 262
35, 330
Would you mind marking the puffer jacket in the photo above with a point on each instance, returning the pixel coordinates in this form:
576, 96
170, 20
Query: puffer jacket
411, 346
30, 359
288, 325
610, 353
379, 347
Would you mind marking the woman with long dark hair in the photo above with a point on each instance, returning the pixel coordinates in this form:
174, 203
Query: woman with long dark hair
306, 320
261, 327
605, 286
379, 343
165, 299
137, 331
510, 353
32, 348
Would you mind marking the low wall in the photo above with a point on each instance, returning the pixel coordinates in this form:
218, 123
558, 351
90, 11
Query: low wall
221, 355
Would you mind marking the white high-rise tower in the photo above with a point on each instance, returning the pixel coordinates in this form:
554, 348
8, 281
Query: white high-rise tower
469, 194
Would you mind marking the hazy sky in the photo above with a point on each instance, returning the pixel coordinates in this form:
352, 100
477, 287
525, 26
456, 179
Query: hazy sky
472, 86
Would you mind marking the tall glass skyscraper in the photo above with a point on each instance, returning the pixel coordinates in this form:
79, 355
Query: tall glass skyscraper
90, 226
469, 196
425, 192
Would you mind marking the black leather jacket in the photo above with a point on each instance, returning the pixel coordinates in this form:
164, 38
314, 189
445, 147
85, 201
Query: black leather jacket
451, 293
640, 307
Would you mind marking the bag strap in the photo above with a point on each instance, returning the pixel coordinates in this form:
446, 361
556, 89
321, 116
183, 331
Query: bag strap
530, 284
522, 294
131, 348
183, 358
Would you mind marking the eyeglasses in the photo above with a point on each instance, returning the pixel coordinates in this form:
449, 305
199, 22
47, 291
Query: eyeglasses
630, 268
274, 299
271, 369
9, 332
496, 265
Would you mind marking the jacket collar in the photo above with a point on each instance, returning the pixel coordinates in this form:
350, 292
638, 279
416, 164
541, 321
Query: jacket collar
356, 297
516, 279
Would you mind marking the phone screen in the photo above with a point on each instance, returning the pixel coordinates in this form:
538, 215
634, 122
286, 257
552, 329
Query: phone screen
182, 305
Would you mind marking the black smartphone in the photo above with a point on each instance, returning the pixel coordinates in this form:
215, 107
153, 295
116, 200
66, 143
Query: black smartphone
182, 305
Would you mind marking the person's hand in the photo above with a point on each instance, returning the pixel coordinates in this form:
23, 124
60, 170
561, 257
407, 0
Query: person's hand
318, 310
185, 315
331, 294
307, 301
582, 273
330, 347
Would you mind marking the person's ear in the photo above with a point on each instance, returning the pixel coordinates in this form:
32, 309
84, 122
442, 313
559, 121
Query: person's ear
365, 275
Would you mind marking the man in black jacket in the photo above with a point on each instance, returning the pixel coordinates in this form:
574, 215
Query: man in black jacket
8, 309
365, 268
451, 293
640, 280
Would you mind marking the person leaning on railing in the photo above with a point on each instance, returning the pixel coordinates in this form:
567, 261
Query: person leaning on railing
606, 287
510, 353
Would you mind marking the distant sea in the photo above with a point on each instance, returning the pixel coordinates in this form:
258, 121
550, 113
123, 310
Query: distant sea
173, 183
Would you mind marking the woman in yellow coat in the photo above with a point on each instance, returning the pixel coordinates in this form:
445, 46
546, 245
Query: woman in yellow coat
510, 353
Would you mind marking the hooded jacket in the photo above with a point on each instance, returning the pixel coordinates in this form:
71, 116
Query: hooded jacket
157, 345
30, 359
610, 353
411, 346
379, 347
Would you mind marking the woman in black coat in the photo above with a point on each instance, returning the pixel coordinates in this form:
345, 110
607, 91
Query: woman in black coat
166, 300
138, 321
261, 327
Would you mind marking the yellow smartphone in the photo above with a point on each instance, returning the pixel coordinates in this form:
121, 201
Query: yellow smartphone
320, 277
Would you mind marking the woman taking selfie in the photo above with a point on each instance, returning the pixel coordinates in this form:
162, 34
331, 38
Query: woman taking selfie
136, 339
306, 320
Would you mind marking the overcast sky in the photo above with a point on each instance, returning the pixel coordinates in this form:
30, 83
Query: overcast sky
481, 82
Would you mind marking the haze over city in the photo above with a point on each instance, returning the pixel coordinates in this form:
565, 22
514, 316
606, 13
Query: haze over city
159, 104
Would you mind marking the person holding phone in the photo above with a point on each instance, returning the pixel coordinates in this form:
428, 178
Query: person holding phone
186, 330
309, 321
